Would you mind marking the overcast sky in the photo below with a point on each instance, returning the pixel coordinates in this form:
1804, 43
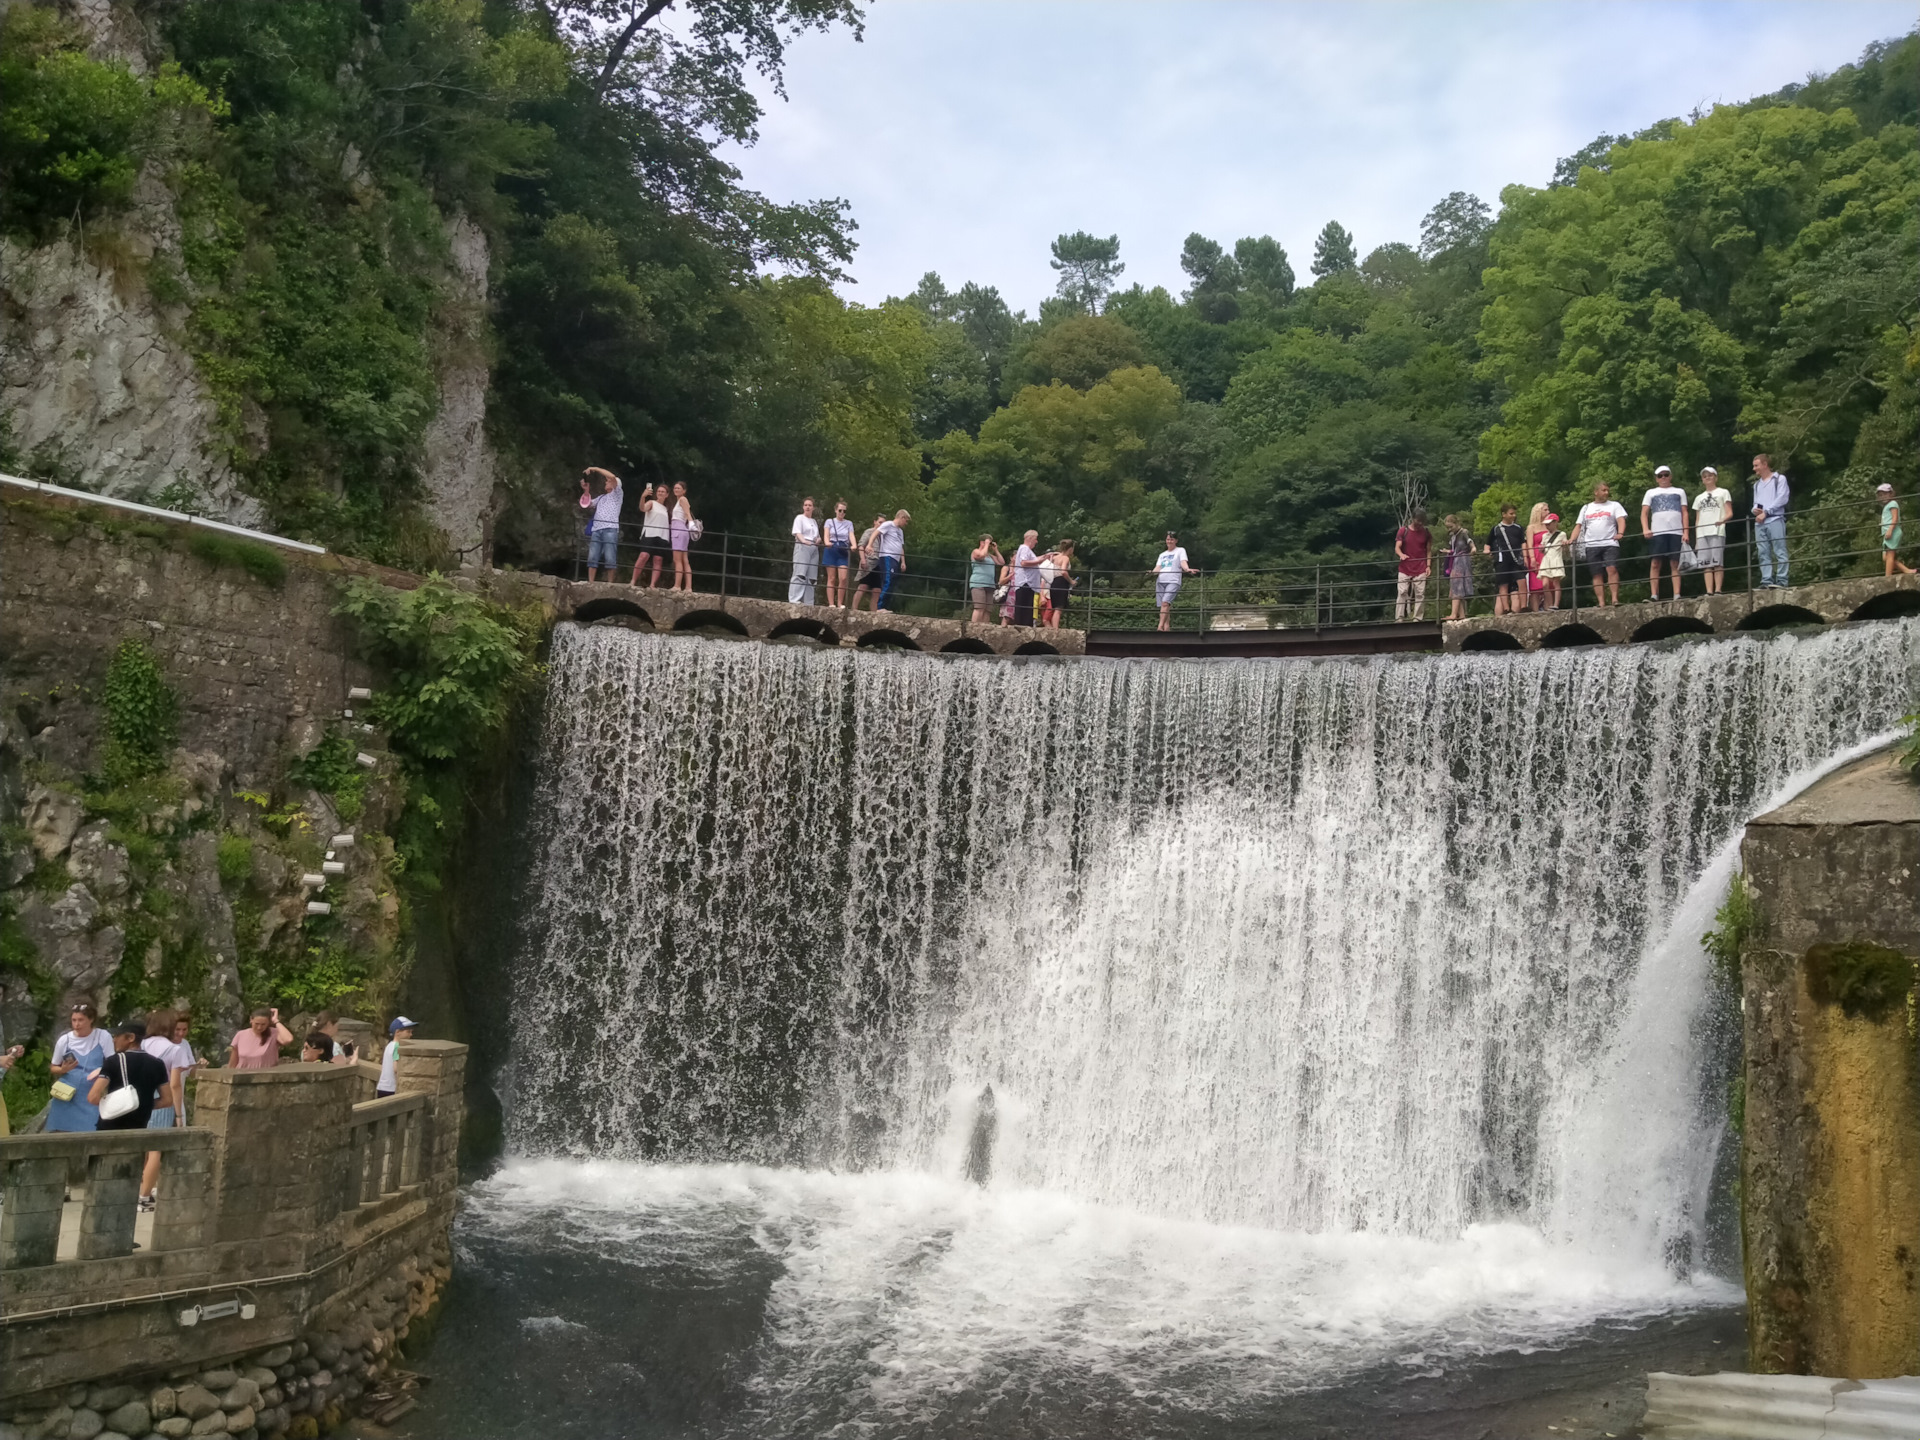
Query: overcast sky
967, 134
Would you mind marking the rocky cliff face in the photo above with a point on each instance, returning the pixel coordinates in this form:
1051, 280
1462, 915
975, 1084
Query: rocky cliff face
99, 389
458, 463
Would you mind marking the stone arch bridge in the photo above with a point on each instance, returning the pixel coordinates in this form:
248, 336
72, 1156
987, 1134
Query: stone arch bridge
1827, 602
749, 619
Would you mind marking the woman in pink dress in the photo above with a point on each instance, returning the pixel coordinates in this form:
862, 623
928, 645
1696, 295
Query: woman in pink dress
258, 1046
1538, 533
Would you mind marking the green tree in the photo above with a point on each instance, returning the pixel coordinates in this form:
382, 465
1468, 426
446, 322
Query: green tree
1216, 279
1333, 251
1264, 268
1080, 352
1088, 268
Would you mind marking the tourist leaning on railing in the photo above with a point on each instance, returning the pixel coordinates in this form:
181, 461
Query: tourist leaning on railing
1170, 569
258, 1046
889, 542
401, 1029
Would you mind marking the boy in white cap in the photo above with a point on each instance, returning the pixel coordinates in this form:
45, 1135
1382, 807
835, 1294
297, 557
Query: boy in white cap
1663, 520
401, 1029
1890, 532
1712, 508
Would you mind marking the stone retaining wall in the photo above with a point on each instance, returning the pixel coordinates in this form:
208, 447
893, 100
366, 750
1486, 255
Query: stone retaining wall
326, 1214
1830, 1177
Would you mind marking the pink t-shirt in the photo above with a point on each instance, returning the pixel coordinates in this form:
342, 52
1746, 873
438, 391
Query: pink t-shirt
254, 1053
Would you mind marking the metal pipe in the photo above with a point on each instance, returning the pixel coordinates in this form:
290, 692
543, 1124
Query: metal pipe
48, 488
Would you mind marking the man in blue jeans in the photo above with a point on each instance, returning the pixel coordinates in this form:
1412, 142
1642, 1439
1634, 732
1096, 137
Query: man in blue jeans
1770, 522
603, 532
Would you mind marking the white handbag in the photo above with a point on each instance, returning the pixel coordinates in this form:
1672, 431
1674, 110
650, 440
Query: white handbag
123, 1101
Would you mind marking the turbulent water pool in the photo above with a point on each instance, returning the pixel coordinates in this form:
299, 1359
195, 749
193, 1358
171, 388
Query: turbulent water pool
905, 1047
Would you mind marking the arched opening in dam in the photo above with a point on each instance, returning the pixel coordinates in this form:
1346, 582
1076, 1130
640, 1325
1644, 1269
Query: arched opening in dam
1124, 1048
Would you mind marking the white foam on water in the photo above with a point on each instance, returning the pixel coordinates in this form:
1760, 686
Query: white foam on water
898, 1289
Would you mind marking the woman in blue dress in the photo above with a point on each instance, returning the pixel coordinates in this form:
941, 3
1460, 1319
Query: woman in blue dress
76, 1055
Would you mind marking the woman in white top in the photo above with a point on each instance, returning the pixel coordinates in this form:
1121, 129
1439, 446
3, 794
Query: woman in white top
655, 529
76, 1056
680, 533
1711, 507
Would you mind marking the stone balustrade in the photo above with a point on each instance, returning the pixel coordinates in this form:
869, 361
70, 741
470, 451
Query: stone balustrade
292, 1194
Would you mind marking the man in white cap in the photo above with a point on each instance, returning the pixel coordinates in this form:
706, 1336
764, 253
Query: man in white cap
401, 1029
1663, 520
1890, 531
1712, 508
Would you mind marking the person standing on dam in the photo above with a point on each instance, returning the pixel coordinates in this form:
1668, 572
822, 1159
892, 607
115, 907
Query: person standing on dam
1663, 521
806, 555
1601, 523
1170, 570
1770, 495
603, 531
1712, 508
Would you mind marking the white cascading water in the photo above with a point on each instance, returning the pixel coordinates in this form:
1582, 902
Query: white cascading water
1356, 972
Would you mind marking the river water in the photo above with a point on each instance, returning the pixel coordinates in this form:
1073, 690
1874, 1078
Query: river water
910, 1045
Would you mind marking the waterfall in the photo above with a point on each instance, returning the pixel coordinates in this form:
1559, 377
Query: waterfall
1401, 945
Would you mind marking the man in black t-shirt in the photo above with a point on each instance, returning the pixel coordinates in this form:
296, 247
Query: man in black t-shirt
1507, 544
130, 1065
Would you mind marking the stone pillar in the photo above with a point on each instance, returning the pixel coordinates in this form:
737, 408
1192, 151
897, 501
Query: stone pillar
1830, 1183
437, 1068
279, 1143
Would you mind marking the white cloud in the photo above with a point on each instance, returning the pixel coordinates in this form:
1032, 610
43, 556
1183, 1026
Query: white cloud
967, 135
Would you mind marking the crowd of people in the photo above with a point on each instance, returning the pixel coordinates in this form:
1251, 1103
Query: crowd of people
134, 1076
1534, 564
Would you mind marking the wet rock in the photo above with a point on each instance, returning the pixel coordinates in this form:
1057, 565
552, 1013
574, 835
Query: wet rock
275, 1358
52, 818
129, 1418
260, 1375
110, 1397
85, 1424
218, 1380
99, 864
195, 1401
241, 1395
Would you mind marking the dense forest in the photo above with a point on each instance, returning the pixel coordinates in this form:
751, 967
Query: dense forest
1741, 279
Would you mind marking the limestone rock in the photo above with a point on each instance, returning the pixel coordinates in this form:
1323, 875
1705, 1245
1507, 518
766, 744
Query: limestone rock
241, 1395
457, 467
275, 1358
240, 1420
100, 865
61, 930
195, 1401
52, 818
214, 1424
110, 1397
129, 1419
85, 1424
160, 1403
259, 1374
174, 1427
88, 367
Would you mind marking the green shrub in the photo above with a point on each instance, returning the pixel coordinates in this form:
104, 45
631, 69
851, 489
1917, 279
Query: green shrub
1733, 922
1864, 979
26, 1085
141, 715
321, 976
74, 131
234, 855
263, 562
1907, 752
331, 769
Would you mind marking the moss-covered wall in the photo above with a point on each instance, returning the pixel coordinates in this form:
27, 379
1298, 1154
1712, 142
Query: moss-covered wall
1830, 1182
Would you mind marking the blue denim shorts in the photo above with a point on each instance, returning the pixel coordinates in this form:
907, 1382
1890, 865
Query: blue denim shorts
603, 548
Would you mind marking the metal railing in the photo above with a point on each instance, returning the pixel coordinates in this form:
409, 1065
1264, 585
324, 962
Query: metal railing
1823, 543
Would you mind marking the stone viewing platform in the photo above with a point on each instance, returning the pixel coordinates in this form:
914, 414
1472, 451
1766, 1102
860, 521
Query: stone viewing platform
301, 1227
